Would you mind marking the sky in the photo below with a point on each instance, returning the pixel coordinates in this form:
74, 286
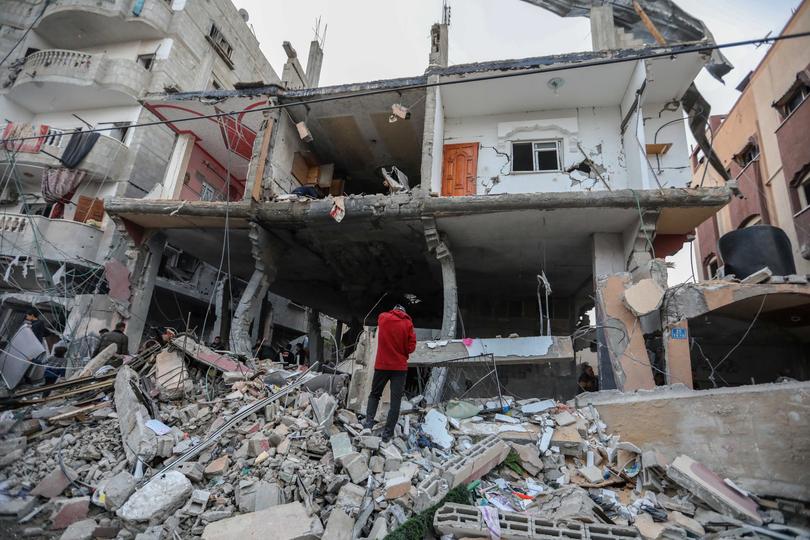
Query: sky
381, 39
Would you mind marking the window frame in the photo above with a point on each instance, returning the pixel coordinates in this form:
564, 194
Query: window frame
801, 90
535, 161
803, 188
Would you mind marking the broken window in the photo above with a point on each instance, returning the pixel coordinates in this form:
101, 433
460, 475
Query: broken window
536, 156
795, 98
146, 60
756, 219
748, 154
224, 49
712, 266
207, 192
804, 192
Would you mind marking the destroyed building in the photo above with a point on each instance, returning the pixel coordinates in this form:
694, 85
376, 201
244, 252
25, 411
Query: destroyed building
503, 202
87, 65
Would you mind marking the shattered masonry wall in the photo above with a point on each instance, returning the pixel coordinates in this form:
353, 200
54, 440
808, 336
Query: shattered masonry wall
758, 435
596, 129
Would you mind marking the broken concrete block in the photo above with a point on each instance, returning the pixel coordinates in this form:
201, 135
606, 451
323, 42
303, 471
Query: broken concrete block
710, 488
355, 464
323, 408
370, 442
429, 491
54, 483
529, 457
170, 374
218, 466
569, 441
481, 458
257, 444
341, 445
197, 503
538, 406
396, 487
139, 440
379, 530
591, 473
760, 276
569, 502
350, 497
649, 529
393, 458
69, 511
11, 457
435, 427
339, 527
565, 418
157, 499
267, 494
376, 464
17, 506
116, 490
687, 523
193, 470
644, 297
285, 522
246, 496
80, 530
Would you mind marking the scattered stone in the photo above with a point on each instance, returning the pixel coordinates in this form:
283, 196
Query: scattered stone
54, 483
339, 527
157, 499
341, 445
435, 427
117, 490
80, 530
591, 473
218, 467
565, 418
285, 522
69, 511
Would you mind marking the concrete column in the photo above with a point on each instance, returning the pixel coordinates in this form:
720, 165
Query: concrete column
314, 335
603, 29
439, 48
439, 248
432, 138
266, 253
178, 164
678, 357
147, 264
608, 259
314, 62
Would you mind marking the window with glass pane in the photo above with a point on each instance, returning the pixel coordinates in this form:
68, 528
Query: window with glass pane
522, 160
547, 156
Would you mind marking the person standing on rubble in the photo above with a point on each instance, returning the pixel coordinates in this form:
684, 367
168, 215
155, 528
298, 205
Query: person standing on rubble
116, 337
396, 340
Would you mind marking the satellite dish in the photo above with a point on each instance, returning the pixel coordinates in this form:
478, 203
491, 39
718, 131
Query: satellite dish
245, 15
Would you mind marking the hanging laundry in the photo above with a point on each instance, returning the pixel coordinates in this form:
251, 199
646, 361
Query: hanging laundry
77, 148
58, 187
23, 130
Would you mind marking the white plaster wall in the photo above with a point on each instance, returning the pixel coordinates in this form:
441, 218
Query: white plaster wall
633, 139
672, 169
286, 143
128, 49
594, 129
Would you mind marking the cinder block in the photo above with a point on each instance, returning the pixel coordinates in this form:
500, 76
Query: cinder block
479, 460
429, 492
461, 520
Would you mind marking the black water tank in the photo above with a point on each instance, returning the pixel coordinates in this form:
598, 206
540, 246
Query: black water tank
750, 249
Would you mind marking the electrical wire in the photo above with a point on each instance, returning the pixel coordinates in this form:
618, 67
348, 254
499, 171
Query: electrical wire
682, 50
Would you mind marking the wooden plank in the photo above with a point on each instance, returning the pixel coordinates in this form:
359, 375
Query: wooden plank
89, 209
649, 24
256, 191
300, 168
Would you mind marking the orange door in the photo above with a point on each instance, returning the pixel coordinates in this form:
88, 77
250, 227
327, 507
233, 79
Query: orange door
460, 169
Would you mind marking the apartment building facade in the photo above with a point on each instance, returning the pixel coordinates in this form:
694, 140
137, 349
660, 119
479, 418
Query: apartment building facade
84, 64
764, 143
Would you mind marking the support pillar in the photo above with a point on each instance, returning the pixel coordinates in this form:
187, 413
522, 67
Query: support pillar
314, 335
174, 177
265, 252
143, 271
222, 311
439, 248
608, 259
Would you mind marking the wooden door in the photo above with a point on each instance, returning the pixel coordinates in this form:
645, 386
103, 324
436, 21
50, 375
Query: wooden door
460, 169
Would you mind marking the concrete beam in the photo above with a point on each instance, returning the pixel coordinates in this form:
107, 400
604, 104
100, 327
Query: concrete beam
144, 263
404, 206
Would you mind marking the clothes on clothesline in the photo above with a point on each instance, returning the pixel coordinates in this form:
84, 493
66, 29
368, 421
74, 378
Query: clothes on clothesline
77, 148
23, 130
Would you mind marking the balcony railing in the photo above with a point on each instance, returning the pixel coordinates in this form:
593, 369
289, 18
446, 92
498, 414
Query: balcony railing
106, 160
95, 22
51, 239
113, 81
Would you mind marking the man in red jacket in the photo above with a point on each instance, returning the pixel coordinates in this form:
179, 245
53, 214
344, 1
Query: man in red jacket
395, 341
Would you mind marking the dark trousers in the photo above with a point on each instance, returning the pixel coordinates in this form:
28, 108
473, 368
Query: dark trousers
381, 378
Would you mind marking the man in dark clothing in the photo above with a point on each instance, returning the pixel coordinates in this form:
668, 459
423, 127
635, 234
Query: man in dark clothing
286, 355
37, 326
56, 364
116, 337
216, 344
588, 381
301, 355
396, 340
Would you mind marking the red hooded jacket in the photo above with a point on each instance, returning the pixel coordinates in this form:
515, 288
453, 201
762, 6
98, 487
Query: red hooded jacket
395, 340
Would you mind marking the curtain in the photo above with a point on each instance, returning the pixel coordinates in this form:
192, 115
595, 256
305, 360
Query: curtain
58, 187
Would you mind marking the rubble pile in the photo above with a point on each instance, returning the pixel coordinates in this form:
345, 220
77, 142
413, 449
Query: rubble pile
189, 443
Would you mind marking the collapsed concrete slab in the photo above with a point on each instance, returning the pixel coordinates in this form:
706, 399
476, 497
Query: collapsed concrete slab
287, 522
157, 499
140, 442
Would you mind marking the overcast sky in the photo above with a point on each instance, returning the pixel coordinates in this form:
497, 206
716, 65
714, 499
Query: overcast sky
381, 39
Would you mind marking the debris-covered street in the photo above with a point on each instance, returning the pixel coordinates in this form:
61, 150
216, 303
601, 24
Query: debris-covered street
167, 446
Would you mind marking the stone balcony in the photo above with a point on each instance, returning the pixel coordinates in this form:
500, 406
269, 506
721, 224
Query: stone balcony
105, 162
52, 239
84, 23
58, 79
